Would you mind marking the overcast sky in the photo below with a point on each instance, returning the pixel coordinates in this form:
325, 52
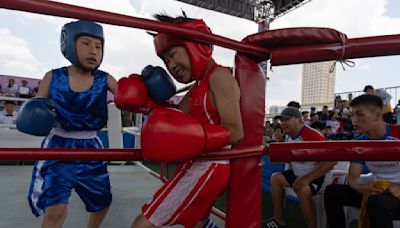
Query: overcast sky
30, 42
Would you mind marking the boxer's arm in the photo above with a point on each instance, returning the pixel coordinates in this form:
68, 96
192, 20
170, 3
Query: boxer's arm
43, 90
111, 83
226, 96
184, 103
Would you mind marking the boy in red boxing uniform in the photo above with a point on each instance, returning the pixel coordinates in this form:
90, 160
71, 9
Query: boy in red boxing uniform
209, 119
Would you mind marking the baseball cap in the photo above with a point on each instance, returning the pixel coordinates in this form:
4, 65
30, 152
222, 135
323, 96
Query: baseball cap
290, 112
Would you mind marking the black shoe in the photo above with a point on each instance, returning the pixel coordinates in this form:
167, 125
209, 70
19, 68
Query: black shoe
272, 223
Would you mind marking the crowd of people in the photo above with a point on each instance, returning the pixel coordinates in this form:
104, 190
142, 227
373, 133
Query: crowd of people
366, 117
11, 89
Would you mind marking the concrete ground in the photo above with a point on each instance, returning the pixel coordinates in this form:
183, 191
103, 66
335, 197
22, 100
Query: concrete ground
132, 186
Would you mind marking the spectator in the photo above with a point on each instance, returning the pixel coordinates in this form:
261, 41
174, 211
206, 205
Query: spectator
10, 89
328, 132
24, 90
8, 115
382, 206
324, 114
268, 132
306, 118
294, 104
314, 117
279, 134
319, 126
334, 122
387, 109
346, 107
276, 121
35, 89
396, 112
306, 178
350, 97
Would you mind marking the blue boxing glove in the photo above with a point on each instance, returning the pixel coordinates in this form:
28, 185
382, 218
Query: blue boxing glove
159, 84
36, 116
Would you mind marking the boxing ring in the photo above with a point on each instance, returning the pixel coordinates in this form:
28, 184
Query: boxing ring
281, 47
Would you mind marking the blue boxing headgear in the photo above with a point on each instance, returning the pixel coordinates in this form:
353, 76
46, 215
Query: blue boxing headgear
71, 31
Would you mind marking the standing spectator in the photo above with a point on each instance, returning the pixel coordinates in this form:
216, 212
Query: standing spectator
10, 89
382, 206
324, 114
8, 115
306, 178
35, 89
396, 112
387, 109
350, 97
24, 90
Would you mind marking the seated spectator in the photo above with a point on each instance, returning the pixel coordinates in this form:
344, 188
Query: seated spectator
314, 117
279, 134
24, 90
328, 132
306, 178
268, 132
381, 206
306, 118
334, 122
319, 126
10, 89
8, 115
276, 121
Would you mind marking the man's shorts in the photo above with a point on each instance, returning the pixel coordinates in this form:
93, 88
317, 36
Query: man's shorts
315, 185
189, 195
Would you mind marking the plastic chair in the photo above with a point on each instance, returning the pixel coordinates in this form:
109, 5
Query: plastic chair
335, 176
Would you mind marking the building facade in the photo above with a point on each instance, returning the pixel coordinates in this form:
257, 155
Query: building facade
318, 84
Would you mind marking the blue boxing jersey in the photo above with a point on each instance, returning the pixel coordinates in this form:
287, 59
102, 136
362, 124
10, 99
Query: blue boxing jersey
79, 111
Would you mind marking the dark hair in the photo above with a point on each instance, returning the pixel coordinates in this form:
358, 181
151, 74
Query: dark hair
368, 87
277, 117
177, 20
313, 114
304, 112
278, 126
367, 100
293, 104
9, 102
318, 125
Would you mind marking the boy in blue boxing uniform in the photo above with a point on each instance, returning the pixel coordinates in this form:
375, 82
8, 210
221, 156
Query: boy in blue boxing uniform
75, 97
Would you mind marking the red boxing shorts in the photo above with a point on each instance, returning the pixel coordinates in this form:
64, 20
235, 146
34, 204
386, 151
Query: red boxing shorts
189, 195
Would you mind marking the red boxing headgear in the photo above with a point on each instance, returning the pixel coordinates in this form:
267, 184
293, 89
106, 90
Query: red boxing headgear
199, 53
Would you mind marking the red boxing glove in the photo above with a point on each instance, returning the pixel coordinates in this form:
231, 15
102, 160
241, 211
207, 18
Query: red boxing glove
131, 95
170, 134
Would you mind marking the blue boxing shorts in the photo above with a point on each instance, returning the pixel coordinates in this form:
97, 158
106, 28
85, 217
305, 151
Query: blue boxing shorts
53, 181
